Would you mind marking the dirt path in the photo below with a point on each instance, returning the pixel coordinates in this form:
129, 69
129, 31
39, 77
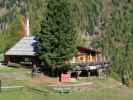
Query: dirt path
45, 80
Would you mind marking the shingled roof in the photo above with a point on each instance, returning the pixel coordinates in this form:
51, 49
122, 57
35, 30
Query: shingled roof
25, 47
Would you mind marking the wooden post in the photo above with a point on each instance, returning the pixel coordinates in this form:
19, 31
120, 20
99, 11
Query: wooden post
0, 86
89, 73
6, 59
91, 58
100, 73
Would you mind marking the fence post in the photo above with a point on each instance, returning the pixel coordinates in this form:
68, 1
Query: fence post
0, 86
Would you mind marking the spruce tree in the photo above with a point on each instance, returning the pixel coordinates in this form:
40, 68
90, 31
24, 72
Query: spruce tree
57, 39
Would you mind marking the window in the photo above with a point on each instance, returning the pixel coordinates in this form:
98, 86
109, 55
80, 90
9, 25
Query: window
81, 58
87, 58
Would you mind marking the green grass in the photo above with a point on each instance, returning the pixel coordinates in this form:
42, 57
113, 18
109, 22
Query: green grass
13, 82
100, 92
105, 94
7, 69
12, 69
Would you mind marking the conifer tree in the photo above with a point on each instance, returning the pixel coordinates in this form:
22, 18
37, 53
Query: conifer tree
57, 39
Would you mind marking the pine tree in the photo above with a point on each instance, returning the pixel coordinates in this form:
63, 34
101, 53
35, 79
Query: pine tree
57, 39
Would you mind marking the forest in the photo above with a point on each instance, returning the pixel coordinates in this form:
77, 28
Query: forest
103, 24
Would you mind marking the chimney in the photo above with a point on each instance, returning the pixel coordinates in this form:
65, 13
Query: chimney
25, 27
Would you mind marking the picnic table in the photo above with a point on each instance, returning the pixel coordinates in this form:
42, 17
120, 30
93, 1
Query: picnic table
63, 89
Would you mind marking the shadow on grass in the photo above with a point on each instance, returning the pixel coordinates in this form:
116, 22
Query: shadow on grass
38, 91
